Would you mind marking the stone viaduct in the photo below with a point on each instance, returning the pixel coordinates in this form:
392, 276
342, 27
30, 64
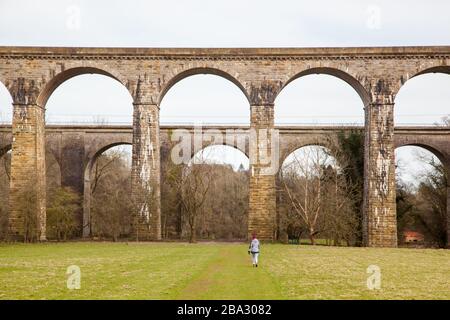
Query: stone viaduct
31, 74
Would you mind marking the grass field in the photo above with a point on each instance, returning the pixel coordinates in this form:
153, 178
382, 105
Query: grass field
219, 271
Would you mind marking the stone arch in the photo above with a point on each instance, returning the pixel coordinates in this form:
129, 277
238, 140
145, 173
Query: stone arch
224, 144
87, 182
3, 83
444, 69
445, 161
4, 149
225, 166
200, 70
213, 144
435, 78
6, 90
335, 72
435, 150
287, 151
293, 149
435, 69
65, 75
332, 161
91, 160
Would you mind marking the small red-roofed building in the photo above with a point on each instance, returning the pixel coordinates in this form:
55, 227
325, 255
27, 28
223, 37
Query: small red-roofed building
413, 236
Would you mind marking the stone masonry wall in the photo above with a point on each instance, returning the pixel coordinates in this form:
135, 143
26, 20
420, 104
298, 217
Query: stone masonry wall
380, 223
146, 171
262, 196
27, 170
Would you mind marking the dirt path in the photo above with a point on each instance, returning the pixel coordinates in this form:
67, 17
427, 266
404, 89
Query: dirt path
231, 275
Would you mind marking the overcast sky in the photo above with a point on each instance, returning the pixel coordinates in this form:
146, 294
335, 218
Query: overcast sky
313, 99
231, 23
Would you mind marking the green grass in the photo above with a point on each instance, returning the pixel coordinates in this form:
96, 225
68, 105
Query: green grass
219, 271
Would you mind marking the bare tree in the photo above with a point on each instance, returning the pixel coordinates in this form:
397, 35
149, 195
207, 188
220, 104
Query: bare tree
340, 222
104, 165
27, 206
224, 213
431, 200
302, 181
111, 202
194, 185
316, 196
171, 207
344, 189
445, 122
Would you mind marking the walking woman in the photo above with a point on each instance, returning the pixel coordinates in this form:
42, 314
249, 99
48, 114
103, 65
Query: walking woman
253, 249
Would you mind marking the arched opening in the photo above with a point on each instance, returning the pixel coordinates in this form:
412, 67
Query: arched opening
207, 198
200, 71
107, 203
321, 97
88, 99
424, 99
222, 155
315, 199
65, 75
422, 195
5, 106
213, 98
87, 96
195, 97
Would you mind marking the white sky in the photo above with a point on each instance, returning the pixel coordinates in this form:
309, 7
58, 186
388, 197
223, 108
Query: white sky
253, 23
412, 164
231, 23
308, 160
222, 155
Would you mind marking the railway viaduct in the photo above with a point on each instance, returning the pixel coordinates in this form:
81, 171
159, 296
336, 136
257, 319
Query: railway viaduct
31, 74
76, 148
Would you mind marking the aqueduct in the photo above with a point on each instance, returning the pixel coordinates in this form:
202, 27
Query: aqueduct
31, 74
